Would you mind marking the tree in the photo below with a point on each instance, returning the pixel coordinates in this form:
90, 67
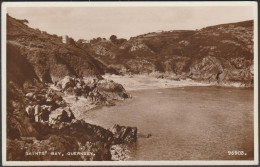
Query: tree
80, 42
113, 38
24, 21
71, 41
98, 39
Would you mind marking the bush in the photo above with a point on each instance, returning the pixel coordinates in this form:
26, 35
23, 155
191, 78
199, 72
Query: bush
113, 38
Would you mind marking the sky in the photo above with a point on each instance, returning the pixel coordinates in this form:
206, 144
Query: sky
125, 22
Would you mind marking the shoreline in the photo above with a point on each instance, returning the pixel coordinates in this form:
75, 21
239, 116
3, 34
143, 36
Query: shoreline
143, 82
80, 105
146, 82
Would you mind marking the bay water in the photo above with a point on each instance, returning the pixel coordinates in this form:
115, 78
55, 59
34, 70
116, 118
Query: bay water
185, 123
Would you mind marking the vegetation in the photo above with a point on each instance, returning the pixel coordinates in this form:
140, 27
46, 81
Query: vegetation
180, 52
113, 38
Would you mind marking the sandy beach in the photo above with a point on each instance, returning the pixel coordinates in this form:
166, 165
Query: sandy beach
141, 82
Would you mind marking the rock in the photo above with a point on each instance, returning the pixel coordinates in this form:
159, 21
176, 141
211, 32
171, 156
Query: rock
66, 82
37, 111
124, 134
20, 127
61, 115
86, 132
149, 135
29, 95
72, 86
15, 151
49, 100
96, 151
119, 152
30, 111
70, 147
79, 85
45, 111
111, 90
70, 91
53, 143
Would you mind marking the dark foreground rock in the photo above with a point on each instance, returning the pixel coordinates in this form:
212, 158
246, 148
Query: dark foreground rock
40, 126
56, 147
75, 141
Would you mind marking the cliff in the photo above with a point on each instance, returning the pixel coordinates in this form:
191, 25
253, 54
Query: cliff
41, 72
221, 54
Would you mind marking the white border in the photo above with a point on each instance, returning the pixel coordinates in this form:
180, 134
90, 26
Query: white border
128, 4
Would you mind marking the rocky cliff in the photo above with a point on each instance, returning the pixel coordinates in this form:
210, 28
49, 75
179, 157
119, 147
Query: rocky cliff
41, 72
221, 54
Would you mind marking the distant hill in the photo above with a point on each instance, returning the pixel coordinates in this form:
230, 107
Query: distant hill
222, 54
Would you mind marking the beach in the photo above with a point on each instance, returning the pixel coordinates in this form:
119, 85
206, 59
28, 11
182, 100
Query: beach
141, 82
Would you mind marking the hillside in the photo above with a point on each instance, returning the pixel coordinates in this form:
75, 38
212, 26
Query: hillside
50, 58
44, 76
221, 54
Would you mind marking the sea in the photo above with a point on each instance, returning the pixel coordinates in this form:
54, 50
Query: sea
185, 123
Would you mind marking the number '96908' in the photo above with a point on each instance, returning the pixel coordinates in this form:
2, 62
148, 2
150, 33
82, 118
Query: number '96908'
236, 153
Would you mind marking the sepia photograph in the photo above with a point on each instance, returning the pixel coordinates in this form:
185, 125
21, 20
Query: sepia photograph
129, 83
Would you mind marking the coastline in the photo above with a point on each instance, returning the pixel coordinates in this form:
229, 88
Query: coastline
143, 82
80, 105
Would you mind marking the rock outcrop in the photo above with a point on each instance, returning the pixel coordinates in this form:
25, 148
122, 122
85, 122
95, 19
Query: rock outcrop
41, 122
98, 91
75, 140
61, 115
212, 70
124, 134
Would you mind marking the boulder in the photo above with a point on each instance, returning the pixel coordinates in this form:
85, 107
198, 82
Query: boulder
124, 133
61, 115
66, 82
111, 90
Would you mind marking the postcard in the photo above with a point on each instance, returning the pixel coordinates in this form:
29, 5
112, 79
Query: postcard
129, 83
